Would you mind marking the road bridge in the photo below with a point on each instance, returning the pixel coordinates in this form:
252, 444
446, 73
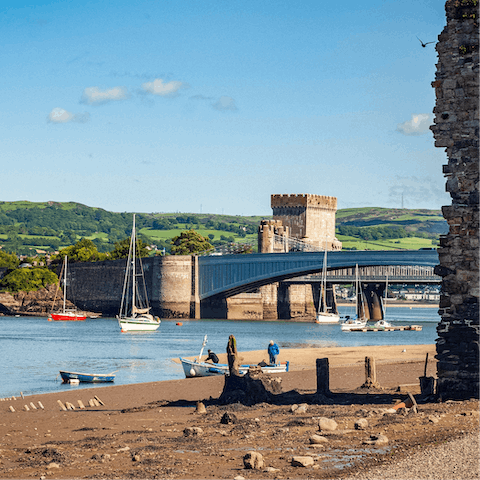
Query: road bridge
229, 275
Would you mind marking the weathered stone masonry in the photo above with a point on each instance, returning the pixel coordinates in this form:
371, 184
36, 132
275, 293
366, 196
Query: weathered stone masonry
456, 128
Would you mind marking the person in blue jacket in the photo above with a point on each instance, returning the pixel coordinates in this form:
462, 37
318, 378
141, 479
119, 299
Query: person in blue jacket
273, 351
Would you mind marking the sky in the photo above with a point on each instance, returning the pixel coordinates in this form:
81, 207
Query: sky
213, 106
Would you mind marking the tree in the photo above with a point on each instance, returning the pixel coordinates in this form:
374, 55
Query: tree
189, 242
83, 251
121, 249
28, 279
9, 260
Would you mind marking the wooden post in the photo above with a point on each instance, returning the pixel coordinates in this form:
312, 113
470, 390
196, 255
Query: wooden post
98, 400
323, 376
41, 405
62, 406
370, 373
11, 408
232, 357
80, 404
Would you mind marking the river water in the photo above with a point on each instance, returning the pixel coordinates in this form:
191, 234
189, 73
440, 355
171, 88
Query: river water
33, 350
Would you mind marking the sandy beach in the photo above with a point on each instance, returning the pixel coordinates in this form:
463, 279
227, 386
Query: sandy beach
153, 430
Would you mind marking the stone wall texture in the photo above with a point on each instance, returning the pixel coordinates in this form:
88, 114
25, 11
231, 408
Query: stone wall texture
456, 129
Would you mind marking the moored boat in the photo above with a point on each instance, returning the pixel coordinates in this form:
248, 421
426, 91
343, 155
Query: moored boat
65, 314
67, 377
326, 314
352, 324
360, 319
135, 313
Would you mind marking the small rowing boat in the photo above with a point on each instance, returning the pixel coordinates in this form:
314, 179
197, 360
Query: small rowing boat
67, 377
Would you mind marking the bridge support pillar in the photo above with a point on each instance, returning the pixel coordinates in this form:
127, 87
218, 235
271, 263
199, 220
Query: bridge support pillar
373, 293
295, 301
174, 287
270, 301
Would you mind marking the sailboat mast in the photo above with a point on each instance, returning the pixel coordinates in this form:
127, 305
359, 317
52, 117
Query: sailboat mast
133, 267
65, 284
356, 290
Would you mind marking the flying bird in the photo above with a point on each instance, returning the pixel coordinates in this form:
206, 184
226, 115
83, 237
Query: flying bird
424, 44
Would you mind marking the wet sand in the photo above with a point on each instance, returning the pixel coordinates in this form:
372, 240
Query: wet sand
139, 431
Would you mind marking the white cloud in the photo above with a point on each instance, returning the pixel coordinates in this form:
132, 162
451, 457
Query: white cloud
60, 115
95, 96
157, 87
225, 104
418, 125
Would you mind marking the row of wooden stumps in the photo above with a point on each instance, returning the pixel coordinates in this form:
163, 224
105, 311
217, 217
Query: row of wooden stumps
427, 384
27, 408
93, 402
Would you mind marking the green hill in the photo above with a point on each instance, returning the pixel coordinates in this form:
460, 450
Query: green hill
26, 227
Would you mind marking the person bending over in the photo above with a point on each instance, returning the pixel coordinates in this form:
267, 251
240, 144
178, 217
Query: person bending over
212, 357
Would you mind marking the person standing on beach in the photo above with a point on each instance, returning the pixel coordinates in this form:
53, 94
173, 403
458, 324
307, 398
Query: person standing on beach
273, 351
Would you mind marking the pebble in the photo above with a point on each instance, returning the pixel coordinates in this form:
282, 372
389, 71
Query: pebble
327, 424
300, 461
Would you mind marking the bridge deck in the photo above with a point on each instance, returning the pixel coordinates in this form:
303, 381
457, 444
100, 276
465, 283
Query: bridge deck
231, 274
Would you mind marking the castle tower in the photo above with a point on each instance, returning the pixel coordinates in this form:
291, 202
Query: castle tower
309, 218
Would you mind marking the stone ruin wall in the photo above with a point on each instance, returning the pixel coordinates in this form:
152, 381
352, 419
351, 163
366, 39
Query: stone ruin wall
456, 129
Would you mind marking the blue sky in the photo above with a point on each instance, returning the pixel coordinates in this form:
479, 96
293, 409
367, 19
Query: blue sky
212, 106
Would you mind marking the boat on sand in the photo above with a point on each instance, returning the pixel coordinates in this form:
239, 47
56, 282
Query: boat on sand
197, 368
67, 377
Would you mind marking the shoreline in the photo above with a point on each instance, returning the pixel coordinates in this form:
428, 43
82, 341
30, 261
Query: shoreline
302, 364
299, 319
150, 430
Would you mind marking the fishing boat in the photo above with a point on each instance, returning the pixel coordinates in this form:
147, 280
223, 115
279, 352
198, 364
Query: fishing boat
134, 313
325, 313
67, 377
65, 314
360, 319
197, 368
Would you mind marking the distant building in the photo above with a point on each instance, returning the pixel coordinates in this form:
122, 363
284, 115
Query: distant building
308, 219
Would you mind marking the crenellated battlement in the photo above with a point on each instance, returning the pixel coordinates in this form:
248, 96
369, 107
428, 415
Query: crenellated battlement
304, 200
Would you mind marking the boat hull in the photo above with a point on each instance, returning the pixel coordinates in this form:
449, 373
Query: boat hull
350, 325
327, 318
205, 369
87, 377
138, 325
67, 316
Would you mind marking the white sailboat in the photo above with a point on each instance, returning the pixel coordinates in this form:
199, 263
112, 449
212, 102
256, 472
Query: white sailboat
360, 320
325, 313
134, 310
